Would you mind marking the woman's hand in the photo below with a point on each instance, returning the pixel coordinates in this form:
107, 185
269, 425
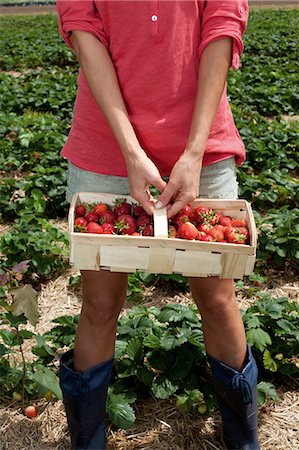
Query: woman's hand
142, 174
183, 184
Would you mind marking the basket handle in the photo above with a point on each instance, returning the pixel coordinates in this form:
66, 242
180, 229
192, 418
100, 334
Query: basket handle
160, 223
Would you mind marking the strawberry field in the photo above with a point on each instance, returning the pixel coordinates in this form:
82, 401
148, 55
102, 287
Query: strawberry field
161, 394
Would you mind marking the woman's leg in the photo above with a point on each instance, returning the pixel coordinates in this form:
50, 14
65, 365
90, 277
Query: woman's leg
104, 294
85, 372
221, 320
233, 366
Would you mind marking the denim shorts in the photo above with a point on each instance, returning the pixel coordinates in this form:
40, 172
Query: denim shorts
218, 180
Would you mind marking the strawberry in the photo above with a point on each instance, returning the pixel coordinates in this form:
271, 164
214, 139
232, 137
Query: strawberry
206, 227
207, 238
187, 210
200, 235
137, 210
201, 213
107, 217
144, 220
126, 224
92, 217
80, 210
244, 231
148, 231
121, 207
108, 228
217, 233
172, 233
225, 221
234, 236
31, 412
99, 208
179, 219
187, 231
80, 224
94, 227
135, 234
238, 223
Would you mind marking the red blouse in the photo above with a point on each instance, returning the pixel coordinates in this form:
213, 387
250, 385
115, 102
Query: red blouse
155, 46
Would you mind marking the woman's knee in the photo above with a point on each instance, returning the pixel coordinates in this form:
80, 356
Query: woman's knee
103, 296
214, 297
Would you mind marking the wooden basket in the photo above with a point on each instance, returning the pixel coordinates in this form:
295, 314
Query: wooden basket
161, 254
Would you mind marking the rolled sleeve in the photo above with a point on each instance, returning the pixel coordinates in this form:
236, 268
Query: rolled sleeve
221, 19
79, 15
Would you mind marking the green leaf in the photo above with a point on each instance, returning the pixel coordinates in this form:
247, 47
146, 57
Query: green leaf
269, 362
265, 390
25, 302
4, 350
145, 375
120, 348
120, 411
42, 348
183, 364
162, 387
258, 338
134, 349
46, 380
151, 341
253, 322
287, 326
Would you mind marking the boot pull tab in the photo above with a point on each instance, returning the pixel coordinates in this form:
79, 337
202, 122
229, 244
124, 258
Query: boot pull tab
239, 383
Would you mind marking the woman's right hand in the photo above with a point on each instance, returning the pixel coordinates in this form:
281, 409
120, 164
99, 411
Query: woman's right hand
142, 173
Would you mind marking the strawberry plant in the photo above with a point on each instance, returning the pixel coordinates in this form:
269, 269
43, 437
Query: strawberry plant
272, 330
21, 379
36, 240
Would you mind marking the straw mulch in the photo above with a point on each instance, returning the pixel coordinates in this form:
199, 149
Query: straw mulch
159, 424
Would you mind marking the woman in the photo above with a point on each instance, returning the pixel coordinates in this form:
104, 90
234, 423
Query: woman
152, 104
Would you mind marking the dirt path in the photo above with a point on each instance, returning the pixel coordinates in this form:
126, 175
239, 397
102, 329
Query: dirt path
47, 9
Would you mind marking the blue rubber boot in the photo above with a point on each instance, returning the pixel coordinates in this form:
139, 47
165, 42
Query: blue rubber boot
84, 397
237, 399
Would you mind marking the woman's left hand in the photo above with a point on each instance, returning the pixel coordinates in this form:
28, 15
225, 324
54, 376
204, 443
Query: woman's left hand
183, 184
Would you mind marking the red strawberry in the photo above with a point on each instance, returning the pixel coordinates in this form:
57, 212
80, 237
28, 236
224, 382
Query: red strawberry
94, 227
135, 234
187, 210
201, 213
187, 231
80, 224
234, 236
126, 224
108, 228
121, 207
179, 219
148, 231
238, 223
207, 238
80, 210
107, 217
172, 233
31, 412
100, 208
217, 233
137, 210
225, 221
92, 217
200, 235
206, 227
244, 231
144, 220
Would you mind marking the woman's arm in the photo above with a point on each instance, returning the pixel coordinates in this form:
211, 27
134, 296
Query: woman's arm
101, 78
183, 184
